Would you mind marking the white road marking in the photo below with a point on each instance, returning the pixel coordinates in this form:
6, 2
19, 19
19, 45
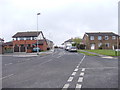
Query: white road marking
6, 76
8, 64
66, 86
81, 60
76, 69
73, 73
82, 74
78, 86
83, 69
70, 79
58, 56
80, 79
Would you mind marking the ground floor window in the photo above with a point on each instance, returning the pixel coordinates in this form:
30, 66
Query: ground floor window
107, 44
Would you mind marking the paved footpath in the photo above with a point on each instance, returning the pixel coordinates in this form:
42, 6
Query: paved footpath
23, 54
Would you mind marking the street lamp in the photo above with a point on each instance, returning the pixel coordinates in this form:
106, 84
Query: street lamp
37, 34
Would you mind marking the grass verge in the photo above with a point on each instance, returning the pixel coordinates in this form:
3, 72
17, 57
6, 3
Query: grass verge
105, 52
86, 53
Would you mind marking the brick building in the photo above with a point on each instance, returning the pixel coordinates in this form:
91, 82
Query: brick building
26, 41
101, 40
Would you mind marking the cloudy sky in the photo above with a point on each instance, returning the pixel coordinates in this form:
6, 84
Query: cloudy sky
59, 19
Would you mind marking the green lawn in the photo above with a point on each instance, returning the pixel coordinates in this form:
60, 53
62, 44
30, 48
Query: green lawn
104, 52
89, 54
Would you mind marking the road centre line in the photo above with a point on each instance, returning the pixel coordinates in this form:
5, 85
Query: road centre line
81, 60
58, 56
78, 86
6, 76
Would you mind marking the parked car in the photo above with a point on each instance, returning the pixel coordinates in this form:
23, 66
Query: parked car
73, 49
35, 49
67, 48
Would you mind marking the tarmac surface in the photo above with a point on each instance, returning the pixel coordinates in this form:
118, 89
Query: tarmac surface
59, 69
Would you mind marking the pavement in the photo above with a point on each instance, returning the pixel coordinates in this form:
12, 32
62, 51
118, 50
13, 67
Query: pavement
60, 70
24, 54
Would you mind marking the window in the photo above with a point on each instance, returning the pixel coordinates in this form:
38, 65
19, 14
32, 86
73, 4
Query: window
21, 38
107, 44
99, 37
28, 38
28, 45
106, 37
113, 37
91, 37
99, 45
33, 38
16, 38
22, 45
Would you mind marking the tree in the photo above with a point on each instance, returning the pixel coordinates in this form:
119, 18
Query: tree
77, 41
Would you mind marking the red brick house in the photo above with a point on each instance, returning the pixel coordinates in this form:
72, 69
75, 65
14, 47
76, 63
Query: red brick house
100, 40
8, 47
26, 41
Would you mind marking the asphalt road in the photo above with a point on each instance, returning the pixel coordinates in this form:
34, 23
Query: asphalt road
60, 69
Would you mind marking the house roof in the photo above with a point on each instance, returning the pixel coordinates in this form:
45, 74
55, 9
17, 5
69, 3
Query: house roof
26, 34
1, 39
49, 40
70, 40
102, 34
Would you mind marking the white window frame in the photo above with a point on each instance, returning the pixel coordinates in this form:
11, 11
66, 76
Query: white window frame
91, 37
113, 37
99, 44
99, 37
107, 37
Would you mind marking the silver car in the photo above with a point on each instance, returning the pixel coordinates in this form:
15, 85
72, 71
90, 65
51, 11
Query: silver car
73, 49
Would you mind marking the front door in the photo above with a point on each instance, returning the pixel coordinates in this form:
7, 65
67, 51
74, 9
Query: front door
92, 46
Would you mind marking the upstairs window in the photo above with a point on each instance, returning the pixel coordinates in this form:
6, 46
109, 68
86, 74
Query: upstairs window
21, 38
99, 37
113, 37
91, 37
106, 37
28, 38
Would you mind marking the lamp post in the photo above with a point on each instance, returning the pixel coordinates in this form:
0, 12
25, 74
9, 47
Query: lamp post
37, 34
